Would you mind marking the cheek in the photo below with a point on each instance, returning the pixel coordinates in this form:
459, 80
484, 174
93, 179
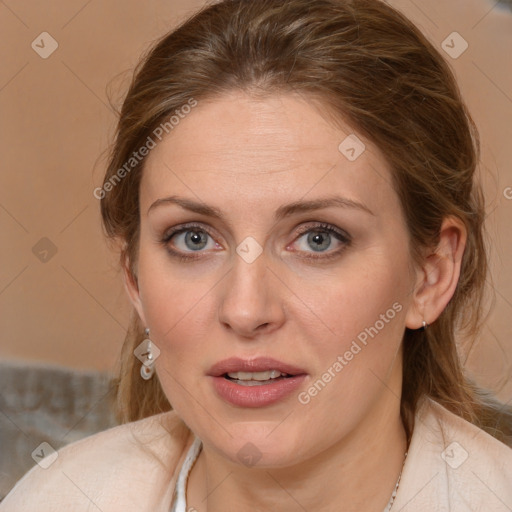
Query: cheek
355, 365
179, 307
356, 330
364, 292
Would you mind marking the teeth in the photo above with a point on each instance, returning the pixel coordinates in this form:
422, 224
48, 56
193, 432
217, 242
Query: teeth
260, 376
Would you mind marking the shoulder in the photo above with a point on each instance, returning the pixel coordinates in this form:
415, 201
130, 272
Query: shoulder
130, 466
454, 466
464, 441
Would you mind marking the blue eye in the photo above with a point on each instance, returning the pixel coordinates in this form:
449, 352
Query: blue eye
319, 238
193, 238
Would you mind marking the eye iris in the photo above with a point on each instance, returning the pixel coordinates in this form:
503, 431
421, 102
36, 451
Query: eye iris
317, 237
196, 237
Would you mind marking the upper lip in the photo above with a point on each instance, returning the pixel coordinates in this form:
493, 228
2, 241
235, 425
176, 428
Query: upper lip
258, 364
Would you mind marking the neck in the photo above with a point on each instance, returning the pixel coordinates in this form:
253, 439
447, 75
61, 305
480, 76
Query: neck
358, 473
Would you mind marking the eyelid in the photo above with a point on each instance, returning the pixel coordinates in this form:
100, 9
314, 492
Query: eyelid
301, 230
324, 226
169, 233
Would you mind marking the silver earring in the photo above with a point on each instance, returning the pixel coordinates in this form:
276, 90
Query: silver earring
425, 325
148, 364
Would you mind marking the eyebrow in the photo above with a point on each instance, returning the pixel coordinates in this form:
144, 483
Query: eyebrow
281, 213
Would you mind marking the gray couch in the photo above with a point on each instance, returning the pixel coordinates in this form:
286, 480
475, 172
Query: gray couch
47, 404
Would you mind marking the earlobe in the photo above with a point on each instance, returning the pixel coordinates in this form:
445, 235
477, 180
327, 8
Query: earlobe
132, 289
439, 275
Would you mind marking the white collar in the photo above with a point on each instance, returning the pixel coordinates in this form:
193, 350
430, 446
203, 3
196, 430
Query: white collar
180, 502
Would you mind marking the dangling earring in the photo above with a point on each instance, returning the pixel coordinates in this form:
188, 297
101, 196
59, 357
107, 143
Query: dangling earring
147, 353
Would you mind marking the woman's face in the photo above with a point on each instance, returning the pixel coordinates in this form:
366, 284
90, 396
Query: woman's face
259, 269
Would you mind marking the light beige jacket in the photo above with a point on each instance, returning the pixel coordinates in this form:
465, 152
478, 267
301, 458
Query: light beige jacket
451, 466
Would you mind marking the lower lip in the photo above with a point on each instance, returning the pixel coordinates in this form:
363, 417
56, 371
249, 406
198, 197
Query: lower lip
256, 396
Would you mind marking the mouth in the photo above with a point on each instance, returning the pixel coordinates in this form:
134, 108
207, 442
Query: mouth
255, 382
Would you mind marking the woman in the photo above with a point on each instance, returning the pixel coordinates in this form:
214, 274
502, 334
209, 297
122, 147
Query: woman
292, 193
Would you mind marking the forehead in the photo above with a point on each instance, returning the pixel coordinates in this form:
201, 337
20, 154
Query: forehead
236, 151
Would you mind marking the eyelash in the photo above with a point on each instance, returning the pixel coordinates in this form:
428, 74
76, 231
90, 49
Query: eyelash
321, 227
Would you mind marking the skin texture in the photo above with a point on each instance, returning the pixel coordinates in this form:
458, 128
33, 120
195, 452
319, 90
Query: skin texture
247, 157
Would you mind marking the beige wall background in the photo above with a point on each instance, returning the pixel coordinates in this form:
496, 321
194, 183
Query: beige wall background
61, 296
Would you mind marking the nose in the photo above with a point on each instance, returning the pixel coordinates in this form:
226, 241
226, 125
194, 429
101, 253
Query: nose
252, 301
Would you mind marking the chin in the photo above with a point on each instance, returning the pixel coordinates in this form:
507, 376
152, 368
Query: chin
254, 446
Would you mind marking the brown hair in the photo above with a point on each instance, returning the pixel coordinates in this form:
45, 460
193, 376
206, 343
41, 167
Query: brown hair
371, 67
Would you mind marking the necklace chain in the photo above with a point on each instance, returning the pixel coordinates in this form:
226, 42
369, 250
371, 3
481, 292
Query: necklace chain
393, 495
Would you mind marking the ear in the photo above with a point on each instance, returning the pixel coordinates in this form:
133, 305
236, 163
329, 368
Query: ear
132, 288
438, 276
